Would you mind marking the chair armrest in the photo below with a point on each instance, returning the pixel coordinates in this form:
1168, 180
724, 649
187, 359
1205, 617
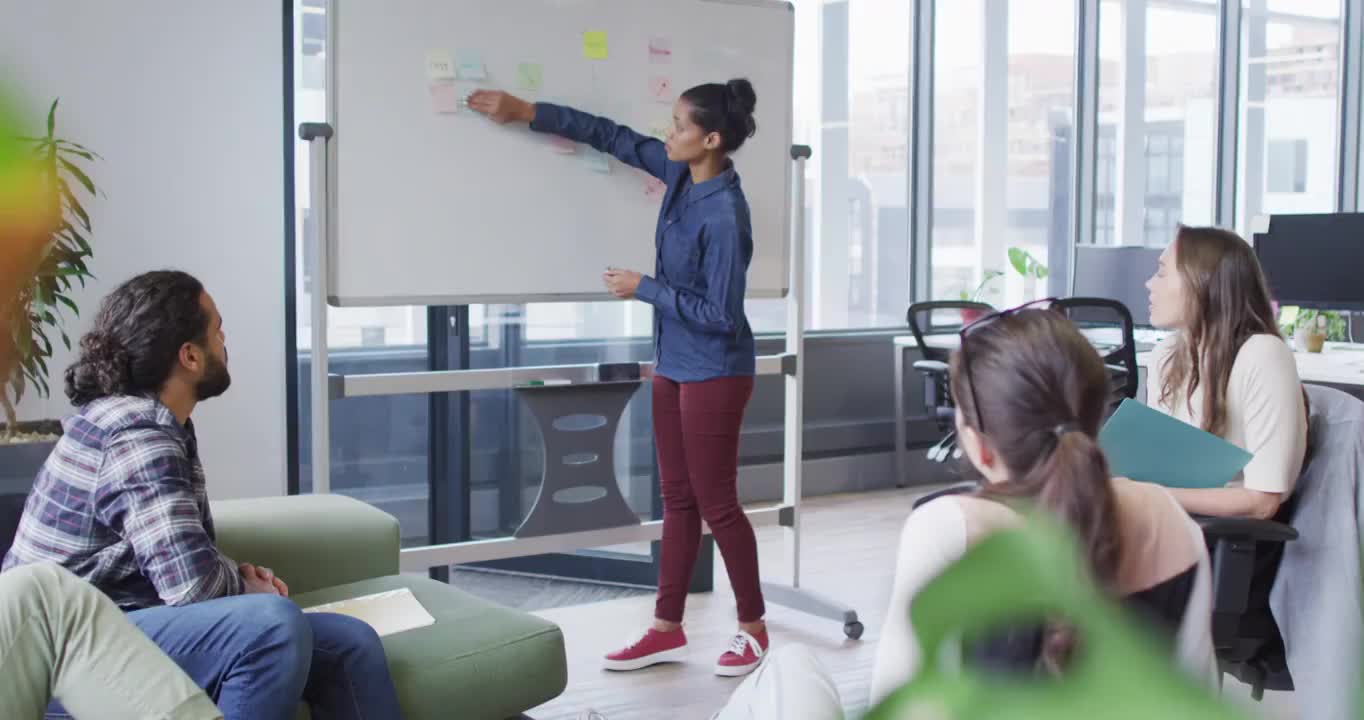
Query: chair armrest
1234, 543
1229, 528
931, 367
310, 541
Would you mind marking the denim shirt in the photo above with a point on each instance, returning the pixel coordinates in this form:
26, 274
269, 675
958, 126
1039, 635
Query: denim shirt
703, 245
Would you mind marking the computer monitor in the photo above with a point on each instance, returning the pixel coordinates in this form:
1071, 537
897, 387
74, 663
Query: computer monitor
1118, 273
1314, 261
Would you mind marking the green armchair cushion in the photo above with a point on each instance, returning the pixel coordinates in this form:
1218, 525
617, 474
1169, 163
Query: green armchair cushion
309, 541
479, 661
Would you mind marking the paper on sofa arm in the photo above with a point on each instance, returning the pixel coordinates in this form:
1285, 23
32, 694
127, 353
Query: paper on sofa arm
388, 612
1147, 445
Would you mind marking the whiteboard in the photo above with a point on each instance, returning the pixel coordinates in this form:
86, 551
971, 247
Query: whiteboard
431, 207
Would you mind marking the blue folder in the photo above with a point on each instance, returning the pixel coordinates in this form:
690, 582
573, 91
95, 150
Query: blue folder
1147, 445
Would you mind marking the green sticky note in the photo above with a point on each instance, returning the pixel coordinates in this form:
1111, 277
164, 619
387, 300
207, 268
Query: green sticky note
530, 76
594, 45
1147, 445
1288, 315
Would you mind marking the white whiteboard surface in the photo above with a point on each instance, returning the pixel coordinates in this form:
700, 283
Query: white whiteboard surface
431, 208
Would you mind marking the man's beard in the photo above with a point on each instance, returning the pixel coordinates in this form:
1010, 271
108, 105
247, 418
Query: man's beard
215, 382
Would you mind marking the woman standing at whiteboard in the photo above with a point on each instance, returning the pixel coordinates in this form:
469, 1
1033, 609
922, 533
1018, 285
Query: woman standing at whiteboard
704, 375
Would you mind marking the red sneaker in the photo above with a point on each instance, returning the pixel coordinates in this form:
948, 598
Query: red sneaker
652, 648
745, 654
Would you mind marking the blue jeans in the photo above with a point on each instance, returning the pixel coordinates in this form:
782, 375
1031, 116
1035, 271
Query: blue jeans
259, 656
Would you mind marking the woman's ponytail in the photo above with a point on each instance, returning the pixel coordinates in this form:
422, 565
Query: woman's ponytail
1075, 486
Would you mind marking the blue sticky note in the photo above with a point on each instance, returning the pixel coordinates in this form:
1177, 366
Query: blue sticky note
470, 65
1145, 444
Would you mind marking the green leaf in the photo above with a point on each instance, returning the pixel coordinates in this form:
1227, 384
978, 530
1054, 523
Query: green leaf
75, 204
79, 146
80, 175
78, 153
66, 340
69, 303
52, 118
1019, 261
1042, 271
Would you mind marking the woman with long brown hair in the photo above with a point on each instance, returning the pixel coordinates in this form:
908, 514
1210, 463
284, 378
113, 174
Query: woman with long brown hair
1031, 394
1226, 369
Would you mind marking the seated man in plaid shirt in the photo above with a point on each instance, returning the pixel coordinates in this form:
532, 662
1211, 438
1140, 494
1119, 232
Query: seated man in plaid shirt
121, 503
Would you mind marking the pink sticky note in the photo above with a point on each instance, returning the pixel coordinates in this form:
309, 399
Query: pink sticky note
444, 99
562, 145
660, 50
661, 89
654, 188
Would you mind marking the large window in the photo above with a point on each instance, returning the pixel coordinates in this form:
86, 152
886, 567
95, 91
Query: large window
1157, 154
852, 106
1289, 114
379, 446
1003, 119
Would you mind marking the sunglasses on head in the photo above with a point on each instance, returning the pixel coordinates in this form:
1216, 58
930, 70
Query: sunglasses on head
986, 321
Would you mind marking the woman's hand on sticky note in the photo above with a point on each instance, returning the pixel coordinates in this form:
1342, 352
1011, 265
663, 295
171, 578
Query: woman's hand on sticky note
501, 107
621, 283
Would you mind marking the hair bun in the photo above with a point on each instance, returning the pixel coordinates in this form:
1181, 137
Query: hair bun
742, 94
103, 369
99, 345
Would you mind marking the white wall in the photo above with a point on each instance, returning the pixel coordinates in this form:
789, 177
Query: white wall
185, 102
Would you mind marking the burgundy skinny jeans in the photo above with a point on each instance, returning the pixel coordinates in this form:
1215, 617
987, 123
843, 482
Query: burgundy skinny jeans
696, 430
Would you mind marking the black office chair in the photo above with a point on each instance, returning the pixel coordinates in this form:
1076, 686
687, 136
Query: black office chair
940, 318
1108, 324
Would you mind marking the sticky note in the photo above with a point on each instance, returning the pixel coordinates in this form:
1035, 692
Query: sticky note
597, 162
445, 100
470, 64
530, 77
439, 66
654, 188
1288, 315
661, 89
660, 50
594, 45
563, 145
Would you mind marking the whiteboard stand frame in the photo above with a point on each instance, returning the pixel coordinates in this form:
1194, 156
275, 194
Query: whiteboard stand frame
793, 454
326, 387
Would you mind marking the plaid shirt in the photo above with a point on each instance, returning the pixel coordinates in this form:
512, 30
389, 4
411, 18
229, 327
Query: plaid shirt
121, 503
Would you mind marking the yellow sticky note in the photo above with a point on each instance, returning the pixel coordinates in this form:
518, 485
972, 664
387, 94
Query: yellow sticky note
594, 45
1288, 315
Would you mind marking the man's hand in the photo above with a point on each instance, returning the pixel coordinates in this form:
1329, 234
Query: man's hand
262, 580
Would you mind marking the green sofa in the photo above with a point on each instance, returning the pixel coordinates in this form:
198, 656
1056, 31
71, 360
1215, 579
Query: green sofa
479, 661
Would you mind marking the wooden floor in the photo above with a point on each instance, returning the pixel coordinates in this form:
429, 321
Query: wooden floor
849, 551
849, 555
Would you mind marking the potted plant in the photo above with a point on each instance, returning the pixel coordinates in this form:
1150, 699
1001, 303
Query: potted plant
1029, 268
1311, 329
970, 316
39, 312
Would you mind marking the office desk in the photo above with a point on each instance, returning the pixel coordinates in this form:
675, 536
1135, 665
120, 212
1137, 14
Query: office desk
1340, 364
